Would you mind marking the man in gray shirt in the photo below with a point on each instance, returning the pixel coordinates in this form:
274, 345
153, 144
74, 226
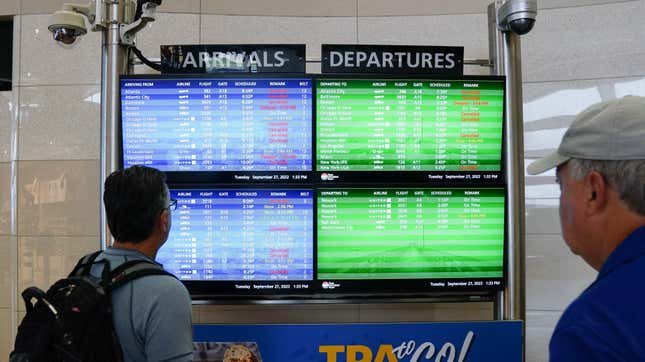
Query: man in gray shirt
152, 314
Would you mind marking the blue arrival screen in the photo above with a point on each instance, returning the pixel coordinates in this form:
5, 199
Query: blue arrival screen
217, 124
241, 235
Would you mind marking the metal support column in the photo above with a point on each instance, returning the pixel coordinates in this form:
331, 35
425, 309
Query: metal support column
515, 299
114, 62
506, 54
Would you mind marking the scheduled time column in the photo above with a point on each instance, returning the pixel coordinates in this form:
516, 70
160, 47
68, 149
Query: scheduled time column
436, 126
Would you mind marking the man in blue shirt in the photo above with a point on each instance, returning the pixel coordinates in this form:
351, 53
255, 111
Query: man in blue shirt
151, 314
601, 171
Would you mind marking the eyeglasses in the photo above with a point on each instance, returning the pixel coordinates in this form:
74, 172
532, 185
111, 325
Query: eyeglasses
172, 206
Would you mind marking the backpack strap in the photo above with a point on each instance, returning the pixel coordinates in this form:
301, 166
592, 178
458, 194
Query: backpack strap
31, 296
84, 264
132, 270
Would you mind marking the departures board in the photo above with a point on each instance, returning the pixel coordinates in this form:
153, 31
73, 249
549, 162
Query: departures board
409, 129
320, 186
403, 125
372, 234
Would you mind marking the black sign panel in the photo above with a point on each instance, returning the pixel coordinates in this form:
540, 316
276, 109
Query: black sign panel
272, 58
393, 59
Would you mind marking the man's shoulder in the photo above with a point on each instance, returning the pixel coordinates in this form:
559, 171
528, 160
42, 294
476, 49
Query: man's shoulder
619, 288
607, 314
154, 294
163, 283
575, 313
150, 285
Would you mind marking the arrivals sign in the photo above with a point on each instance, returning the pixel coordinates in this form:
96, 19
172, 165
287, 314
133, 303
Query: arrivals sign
395, 342
397, 59
233, 58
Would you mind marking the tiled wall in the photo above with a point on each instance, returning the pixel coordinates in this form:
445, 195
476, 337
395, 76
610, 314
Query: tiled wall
49, 129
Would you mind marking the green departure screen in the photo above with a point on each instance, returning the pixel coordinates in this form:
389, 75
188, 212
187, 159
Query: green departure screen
409, 125
371, 234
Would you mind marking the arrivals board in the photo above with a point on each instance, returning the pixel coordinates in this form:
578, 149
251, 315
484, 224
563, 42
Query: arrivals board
217, 124
240, 235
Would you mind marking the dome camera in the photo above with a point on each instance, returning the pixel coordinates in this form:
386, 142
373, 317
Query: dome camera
66, 26
517, 16
522, 26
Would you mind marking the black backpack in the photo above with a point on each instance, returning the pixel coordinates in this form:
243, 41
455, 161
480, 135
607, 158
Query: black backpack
73, 320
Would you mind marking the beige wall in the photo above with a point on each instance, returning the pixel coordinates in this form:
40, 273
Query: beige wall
49, 129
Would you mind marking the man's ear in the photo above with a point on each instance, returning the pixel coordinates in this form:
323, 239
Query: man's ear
164, 220
596, 189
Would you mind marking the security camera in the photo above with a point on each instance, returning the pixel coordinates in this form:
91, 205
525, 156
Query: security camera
66, 36
67, 26
517, 16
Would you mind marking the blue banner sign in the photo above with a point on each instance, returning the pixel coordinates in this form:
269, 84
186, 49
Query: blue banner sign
396, 342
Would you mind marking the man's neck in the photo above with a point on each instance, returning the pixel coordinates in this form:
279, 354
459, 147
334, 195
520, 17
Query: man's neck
146, 247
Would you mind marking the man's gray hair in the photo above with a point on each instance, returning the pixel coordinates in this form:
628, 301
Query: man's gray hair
626, 177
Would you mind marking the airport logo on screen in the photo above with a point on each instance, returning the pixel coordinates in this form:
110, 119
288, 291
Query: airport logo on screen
401, 59
233, 58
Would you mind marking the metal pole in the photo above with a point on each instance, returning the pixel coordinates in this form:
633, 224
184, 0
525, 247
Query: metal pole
515, 299
496, 54
495, 49
113, 64
505, 52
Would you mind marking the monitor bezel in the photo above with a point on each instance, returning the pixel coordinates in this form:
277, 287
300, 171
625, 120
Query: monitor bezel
417, 177
361, 289
296, 177
208, 290
219, 177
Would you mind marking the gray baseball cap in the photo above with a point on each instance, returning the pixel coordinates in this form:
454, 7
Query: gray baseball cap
612, 130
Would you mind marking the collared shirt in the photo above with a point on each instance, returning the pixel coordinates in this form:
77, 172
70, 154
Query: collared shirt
607, 321
152, 314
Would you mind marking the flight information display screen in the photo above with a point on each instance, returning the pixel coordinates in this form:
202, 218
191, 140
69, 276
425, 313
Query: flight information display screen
217, 124
450, 236
409, 125
241, 235
325, 186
